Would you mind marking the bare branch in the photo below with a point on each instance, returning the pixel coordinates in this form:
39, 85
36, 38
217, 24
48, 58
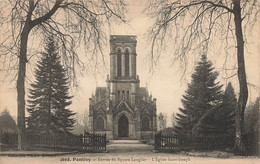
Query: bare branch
47, 15
72, 21
203, 25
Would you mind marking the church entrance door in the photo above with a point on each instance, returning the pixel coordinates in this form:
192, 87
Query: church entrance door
123, 126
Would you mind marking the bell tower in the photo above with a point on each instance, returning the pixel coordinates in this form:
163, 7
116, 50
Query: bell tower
123, 109
123, 79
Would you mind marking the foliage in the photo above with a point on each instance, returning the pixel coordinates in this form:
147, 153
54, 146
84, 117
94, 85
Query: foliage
252, 127
7, 123
226, 115
49, 95
219, 119
199, 26
5, 112
203, 93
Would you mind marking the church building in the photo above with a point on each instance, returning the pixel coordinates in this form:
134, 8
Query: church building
123, 109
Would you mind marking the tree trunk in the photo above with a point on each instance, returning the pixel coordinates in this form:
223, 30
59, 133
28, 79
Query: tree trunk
28, 25
22, 139
239, 146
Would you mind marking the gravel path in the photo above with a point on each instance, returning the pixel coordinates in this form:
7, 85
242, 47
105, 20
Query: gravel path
135, 152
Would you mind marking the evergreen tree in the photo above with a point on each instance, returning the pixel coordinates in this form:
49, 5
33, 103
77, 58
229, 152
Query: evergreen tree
49, 95
252, 127
203, 93
7, 123
252, 117
220, 119
226, 115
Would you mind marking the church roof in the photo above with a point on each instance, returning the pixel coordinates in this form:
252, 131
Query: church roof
99, 104
100, 93
144, 104
142, 92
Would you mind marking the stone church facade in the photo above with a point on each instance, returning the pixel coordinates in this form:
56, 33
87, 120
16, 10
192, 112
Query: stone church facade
123, 109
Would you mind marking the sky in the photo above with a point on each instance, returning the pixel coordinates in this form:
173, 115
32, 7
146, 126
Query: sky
165, 84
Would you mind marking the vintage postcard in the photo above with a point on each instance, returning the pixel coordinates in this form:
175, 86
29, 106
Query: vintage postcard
123, 81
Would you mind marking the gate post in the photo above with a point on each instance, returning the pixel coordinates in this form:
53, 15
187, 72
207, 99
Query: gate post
81, 145
105, 139
157, 141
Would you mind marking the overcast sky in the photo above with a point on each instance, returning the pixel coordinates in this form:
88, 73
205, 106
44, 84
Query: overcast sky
165, 83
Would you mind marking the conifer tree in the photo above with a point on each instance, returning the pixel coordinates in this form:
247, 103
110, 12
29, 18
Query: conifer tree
226, 117
219, 120
7, 123
203, 93
252, 127
49, 95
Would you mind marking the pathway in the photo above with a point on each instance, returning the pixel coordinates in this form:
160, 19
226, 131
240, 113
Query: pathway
124, 146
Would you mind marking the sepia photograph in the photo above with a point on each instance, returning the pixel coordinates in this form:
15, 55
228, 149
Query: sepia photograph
129, 81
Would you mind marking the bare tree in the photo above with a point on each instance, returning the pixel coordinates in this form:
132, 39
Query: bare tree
173, 119
85, 120
162, 121
195, 26
73, 22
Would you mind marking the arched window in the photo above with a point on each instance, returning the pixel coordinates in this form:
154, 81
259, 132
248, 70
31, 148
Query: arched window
126, 63
119, 63
123, 95
145, 124
100, 123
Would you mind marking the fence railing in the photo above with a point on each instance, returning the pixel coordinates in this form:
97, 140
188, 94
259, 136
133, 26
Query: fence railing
8, 139
94, 142
86, 142
180, 143
147, 135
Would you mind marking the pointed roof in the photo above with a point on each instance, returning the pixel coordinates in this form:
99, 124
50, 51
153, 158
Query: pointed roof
142, 103
142, 92
100, 94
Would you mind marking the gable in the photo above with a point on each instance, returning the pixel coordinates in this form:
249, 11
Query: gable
123, 105
145, 111
100, 111
100, 104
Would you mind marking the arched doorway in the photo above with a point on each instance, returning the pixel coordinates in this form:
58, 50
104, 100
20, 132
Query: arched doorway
123, 126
